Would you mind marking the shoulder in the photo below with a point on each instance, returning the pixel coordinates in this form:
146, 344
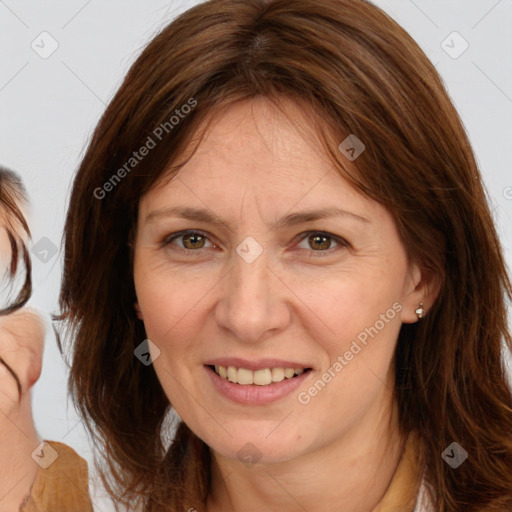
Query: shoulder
61, 482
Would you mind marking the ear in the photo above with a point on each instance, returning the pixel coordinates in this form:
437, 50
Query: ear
22, 336
138, 311
423, 287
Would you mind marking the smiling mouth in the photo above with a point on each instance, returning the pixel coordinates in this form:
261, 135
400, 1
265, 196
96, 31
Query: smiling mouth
263, 377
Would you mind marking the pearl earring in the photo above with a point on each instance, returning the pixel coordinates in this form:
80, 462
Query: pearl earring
420, 310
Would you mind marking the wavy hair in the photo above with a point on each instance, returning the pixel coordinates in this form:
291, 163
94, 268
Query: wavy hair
354, 71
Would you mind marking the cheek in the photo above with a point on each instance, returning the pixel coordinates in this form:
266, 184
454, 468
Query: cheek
358, 366
166, 300
168, 321
349, 303
173, 309
367, 325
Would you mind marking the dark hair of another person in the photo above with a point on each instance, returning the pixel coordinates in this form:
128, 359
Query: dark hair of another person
12, 195
352, 70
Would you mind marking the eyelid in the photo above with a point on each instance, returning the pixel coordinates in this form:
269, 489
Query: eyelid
301, 237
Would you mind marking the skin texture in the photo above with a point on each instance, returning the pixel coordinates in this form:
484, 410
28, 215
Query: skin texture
339, 451
21, 346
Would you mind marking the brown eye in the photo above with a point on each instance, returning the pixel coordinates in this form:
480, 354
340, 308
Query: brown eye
190, 240
320, 242
193, 241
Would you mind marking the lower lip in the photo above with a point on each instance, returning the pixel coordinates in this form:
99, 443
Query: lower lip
251, 394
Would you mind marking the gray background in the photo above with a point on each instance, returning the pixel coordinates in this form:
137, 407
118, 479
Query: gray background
49, 107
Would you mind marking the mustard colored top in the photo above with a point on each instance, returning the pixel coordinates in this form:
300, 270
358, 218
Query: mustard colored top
63, 486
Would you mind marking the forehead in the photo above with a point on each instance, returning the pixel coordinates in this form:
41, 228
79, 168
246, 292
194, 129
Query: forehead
254, 148
256, 135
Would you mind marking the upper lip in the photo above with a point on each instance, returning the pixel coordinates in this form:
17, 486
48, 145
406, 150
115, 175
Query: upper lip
254, 365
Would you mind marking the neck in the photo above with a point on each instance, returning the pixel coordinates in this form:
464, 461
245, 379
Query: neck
352, 474
19, 438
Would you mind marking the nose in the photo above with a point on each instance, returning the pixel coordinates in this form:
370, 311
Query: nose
253, 303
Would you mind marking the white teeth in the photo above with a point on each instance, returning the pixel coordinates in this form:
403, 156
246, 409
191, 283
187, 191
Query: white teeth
262, 377
277, 374
232, 374
245, 376
289, 373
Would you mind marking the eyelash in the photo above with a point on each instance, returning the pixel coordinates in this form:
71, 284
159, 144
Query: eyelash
342, 242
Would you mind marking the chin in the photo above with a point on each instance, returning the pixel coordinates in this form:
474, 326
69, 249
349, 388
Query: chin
253, 447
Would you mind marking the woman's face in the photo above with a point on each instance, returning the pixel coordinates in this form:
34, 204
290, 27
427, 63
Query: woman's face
270, 290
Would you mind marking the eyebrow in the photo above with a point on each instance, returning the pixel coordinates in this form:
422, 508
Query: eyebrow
208, 217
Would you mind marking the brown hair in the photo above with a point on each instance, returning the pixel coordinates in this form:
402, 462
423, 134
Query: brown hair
357, 72
12, 195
